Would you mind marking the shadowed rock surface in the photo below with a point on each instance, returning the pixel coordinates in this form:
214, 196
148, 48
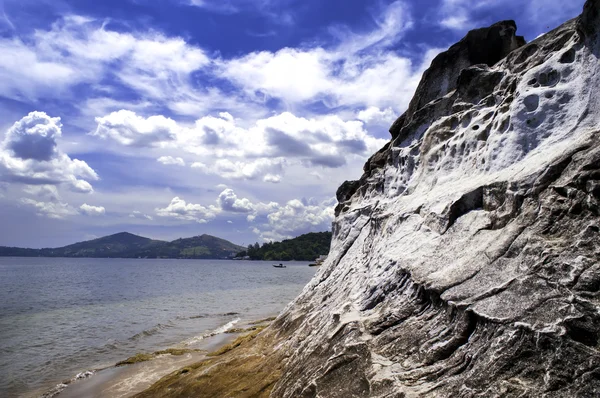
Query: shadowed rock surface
465, 262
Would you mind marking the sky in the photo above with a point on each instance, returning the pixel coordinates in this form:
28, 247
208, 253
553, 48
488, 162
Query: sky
235, 118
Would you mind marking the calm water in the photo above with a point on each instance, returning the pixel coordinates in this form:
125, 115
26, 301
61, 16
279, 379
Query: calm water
59, 317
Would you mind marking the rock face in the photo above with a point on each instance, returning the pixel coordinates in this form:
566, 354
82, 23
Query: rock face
484, 46
466, 261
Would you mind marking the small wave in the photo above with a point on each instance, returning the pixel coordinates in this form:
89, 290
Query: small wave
210, 315
195, 316
219, 330
57, 389
230, 314
152, 331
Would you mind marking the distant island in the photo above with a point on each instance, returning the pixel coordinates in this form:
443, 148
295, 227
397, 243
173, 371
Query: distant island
306, 247
126, 245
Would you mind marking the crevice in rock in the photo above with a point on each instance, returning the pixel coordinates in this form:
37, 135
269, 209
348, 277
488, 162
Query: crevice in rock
468, 202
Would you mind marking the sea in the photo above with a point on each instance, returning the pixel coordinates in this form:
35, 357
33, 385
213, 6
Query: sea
60, 317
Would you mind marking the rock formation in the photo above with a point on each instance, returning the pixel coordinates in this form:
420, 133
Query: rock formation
466, 260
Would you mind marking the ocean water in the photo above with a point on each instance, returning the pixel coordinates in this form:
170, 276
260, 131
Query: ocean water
59, 317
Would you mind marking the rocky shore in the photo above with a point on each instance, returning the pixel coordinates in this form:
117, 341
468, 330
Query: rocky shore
139, 372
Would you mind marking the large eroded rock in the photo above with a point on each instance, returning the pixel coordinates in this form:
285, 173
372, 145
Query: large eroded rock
466, 261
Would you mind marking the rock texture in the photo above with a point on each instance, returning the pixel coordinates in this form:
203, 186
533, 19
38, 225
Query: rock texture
465, 261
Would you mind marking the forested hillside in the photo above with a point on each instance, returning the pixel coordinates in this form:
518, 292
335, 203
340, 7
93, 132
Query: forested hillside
303, 248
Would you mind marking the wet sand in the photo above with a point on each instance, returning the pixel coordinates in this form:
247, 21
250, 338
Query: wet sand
128, 380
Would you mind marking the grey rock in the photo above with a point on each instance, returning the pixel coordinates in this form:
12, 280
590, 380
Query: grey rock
345, 193
485, 46
466, 260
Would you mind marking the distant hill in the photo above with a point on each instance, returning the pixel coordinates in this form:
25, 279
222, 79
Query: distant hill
122, 244
126, 245
306, 247
203, 246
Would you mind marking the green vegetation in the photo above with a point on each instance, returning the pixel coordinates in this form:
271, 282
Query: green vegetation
142, 357
303, 248
126, 245
266, 320
247, 368
239, 341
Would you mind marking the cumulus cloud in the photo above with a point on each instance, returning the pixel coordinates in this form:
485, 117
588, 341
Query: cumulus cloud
261, 151
336, 78
228, 201
272, 178
88, 210
129, 129
326, 141
56, 210
181, 210
374, 115
170, 160
297, 217
273, 221
30, 155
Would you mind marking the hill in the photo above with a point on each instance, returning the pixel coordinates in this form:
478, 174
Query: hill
127, 245
200, 247
306, 247
122, 244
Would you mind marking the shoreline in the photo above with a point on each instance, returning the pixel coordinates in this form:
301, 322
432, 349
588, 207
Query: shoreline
132, 376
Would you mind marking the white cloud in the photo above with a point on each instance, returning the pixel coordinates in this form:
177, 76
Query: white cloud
272, 178
83, 50
140, 215
272, 220
179, 209
55, 210
170, 160
459, 21
291, 74
297, 217
377, 116
30, 155
335, 78
228, 201
361, 70
262, 151
92, 210
25, 73
129, 129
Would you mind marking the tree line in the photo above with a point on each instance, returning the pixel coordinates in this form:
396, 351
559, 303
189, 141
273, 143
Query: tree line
303, 248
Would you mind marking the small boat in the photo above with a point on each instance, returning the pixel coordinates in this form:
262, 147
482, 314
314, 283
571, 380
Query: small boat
279, 266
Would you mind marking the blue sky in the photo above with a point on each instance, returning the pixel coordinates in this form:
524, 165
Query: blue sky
173, 118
